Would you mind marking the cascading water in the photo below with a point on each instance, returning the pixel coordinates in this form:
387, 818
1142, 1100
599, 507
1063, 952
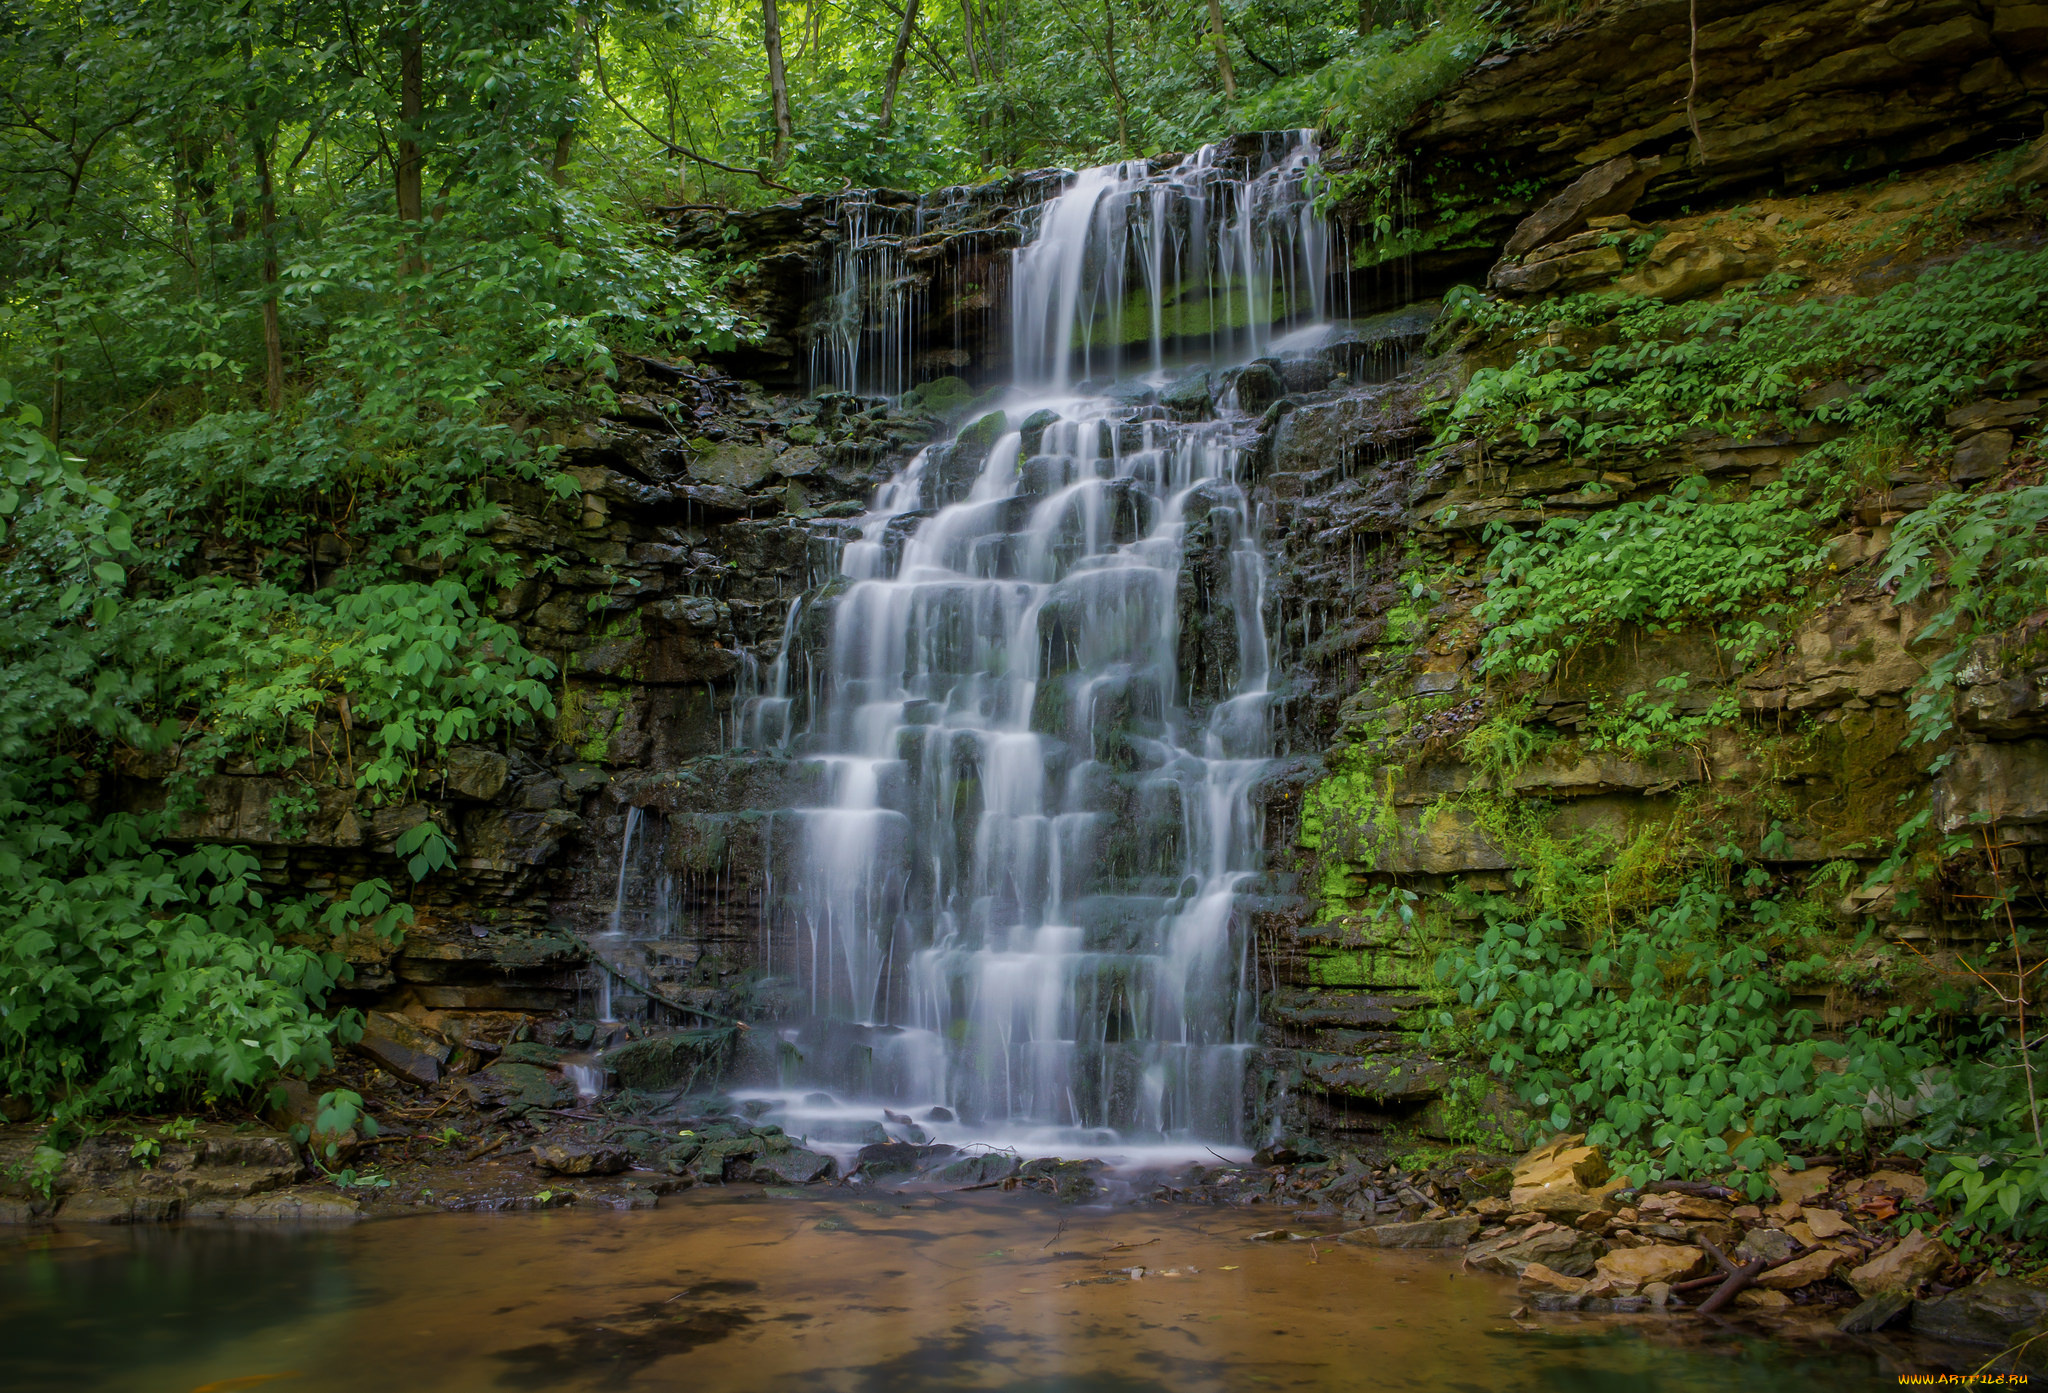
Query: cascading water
1015, 910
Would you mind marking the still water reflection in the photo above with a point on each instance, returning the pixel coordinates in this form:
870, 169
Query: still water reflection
715, 1292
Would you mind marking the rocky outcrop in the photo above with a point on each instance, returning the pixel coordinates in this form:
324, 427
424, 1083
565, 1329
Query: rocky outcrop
1782, 96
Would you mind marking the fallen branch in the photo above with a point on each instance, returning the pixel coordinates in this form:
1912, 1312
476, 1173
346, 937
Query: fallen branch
1740, 1279
1699, 1282
1700, 1189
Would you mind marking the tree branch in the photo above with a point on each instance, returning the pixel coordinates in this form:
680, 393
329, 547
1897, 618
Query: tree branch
670, 147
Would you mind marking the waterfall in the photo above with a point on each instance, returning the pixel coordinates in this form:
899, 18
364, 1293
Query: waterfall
1015, 909
862, 340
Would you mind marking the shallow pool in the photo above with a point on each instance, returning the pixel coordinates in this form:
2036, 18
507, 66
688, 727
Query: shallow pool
732, 1290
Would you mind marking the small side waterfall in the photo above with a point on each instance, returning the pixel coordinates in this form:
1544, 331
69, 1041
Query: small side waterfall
1015, 910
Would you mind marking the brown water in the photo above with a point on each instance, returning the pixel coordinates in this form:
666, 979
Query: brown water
717, 1291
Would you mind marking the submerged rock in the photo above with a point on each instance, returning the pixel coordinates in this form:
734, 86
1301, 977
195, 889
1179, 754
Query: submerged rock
1876, 1313
1421, 1233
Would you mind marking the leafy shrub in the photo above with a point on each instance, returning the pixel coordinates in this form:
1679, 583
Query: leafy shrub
1982, 556
1668, 1039
1661, 563
130, 971
415, 664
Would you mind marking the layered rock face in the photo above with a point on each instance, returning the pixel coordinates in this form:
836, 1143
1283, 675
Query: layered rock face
1760, 98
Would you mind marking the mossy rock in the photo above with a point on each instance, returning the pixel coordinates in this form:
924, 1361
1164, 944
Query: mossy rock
534, 1085
985, 1169
791, 1166
1034, 428
981, 437
939, 396
671, 1061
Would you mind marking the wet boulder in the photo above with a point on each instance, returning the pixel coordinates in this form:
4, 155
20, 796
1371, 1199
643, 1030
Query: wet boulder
1258, 385
1288, 1151
2000, 1312
986, 1168
1190, 399
887, 1160
1032, 432
792, 1166
580, 1158
399, 1047
1072, 1182
675, 1060
940, 396
1559, 1248
1876, 1313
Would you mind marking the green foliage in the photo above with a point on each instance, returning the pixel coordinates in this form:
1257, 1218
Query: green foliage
1659, 563
1982, 557
1745, 366
252, 527
417, 665
1750, 362
1668, 1039
1376, 84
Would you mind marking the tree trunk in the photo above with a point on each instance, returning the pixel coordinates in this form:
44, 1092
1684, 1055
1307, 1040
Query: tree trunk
1223, 48
1116, 87
1365, 17
57, 391
967, 30
412, 110
565, 139
896, 60
778, 80
273, 336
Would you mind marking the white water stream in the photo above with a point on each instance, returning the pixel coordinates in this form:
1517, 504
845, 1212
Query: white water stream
1015, 912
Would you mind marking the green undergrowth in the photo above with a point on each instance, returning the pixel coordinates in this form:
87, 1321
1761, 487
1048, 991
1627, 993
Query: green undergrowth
248, 525
1867, 379
1655, 987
